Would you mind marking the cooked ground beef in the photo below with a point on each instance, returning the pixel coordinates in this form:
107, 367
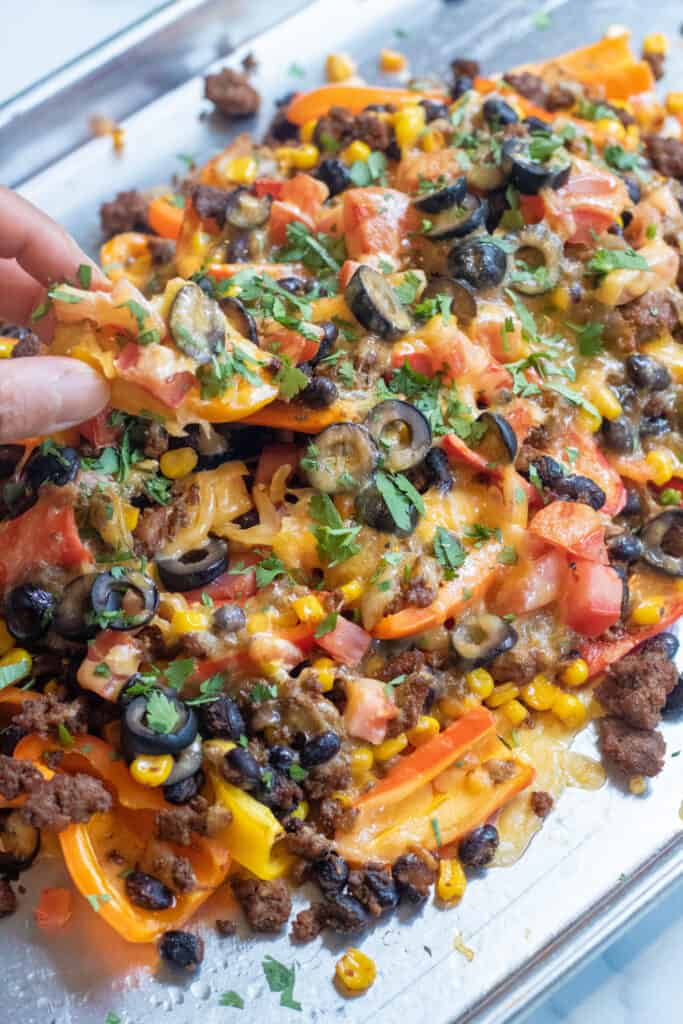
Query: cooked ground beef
464, 66
666, 155
177, 825
127, 212
541, 803
56, 803
226, 927
160, 523
635, 688
303, 841
413, 877
307, 925
657, 62
280, 129
232, 93
210, 203
377, 134
153, 644
374, 887
499, 770
8, 898
45, 714
519, 665
551, 97
401, 665
633, 751
163, 251
155, 440
336, 127
334, 816
410, 697
267, 905
645, 318
29, 345
175, 872
17, 777
324, 779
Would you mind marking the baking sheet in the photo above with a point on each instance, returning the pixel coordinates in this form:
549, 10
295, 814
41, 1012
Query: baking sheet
601, 857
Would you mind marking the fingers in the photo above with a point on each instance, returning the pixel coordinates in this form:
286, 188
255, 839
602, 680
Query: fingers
47, 393
44, 250
19, 296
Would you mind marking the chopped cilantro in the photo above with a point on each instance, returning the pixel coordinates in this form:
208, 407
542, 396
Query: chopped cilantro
102, 670
346, 374
508, 556
449, 551
85, 275
434, 822
269, 569
178, 672
346, 329
543, 145
335, 540
618, 158
158, 489
208, 690
290, 379
398, 494
297, 773
588, 337
316, 251
296, 71
605, 260
161, 715
327, 625
651, 231
406, 291
262, 691
365, 172
65, 737
478, 533
97, 898
231, 999
670, 496
281, 979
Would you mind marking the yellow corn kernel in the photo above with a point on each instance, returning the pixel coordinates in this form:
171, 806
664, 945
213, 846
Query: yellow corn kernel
131, 514
307, 129
452, 707
390, 748
663, 465
326, 670
611, 129
362, 760
452, 881
477, 781
637, 785
6, 347
561, 298
342, 797
540, 693
502, 694
667, 351
284, 155
306, 156
6, 638
300, 811
152, 769
606, 402
355, 970
356, 151
426, 728
647, 612
408, 125
178, 463
589, 421
674, 103
515, 712
392, 60
189, 621
309, 609
655, 44
20, 657
274, 670
576, 673
351, 591
480, 682
242, 170
339, 67
569, 710
432, 140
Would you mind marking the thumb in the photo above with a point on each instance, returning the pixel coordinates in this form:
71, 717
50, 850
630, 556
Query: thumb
42, 394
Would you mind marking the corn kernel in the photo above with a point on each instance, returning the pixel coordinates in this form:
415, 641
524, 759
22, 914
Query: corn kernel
339, 67
355, 970
662, 465
392, 60
390, 748
356, 151
178, 463
647, 612
362, 760
351, 591
6, 347
309, 609
152, 769
342, 797
667, 351
637, 785
131, 515
452, 707
515, 712
274, 670
539, 694
242, 170
480, 682
569, 710
674, 103
502, 694
561, 298
432, 140
6, 638
307, 130
589, 421
408, 125
189, 621
300, 811
606, 402
477, 781
304, 157
632, 140
655, 44
427, 728
326, 670
611, 129
20, 657
452, 881
576, 673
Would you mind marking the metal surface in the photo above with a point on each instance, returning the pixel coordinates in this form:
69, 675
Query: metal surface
601, 858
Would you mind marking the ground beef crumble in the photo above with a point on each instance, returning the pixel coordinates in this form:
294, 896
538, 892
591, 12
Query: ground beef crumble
175, 872
176, 825
46, 713
56, 803
127, 212
635, 689
232, 93
541, 803
267, 905
8, 898
666, 155
540, 92
17, 777
303, 841
633, 751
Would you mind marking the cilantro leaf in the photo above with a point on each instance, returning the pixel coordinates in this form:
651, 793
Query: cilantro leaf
508, 555
335, 541
327, 625
365, 172
406, 291
449, 552
85, 275
231, 999
263, 691
290, 379
209, 690
316, 251
588, 337
269, 569
281, 979
178, 672
618, 158
604, 260
161, 715
399, 495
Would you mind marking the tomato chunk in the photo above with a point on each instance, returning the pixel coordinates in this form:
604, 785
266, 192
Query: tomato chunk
45, 535
368, 710
346, 643
572, 526
592, 597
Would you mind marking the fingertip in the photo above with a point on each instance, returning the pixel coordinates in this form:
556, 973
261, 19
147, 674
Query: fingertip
43, 394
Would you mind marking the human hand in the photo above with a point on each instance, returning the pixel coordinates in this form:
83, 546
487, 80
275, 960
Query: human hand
41, 394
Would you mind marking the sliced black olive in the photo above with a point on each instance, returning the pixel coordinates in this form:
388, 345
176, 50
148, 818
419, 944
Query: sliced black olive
549, 471
334, 174
618, 434
664, 644
497, 113
346, 456
229, 618
373, 510
246, 211
183, 792
625, 547
634, 506
529, 176
545, 249
187, 763
193, 569
647, 373
137, 737
10, 457
413, 877
674, 702
196, 323
478, 639
441, 199
458, 221
479, 262
463, 300
124, 599
294, 285
433, 471
72, 616
402, 433
326, 345
580, 488
377, 889
182, 950
239, 317
51, 464
434, 110
374, 303
320, 749
148, 892
498, 441
28, 612
222, 718
478, 848
331, 873
19, 842
663, 542
282, 758
319, 394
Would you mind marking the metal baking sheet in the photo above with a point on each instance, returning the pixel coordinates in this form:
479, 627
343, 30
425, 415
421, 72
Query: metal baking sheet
602, 857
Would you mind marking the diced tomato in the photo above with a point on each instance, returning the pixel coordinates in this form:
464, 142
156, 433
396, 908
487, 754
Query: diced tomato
45, 535
54, 908
592, 597
416, 354
272, 457
416, 166
98, 431
600, 654
590, 202
572, 526
536, 585
458, 451
227, 587
134, 365
301, 199
532, 209
368, 710
375, 221
522, 415
285, 341
346, 643
282, 214
490, 330
268, 187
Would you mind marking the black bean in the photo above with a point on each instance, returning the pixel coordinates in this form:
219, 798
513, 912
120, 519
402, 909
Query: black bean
345, 914
646, 373
625, 547
148, 892
331, 873
549, 471
438, 470
580, 488
665, 644
185, 790
319, 394
241, 761
229, 618
498, 113
478, 848
633, 506
674, 702
434, 110
535, 124
334, 174
282, 757
653, 426
618, 434
383, 887
222, 718
247, 519
182, 949
320, 749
